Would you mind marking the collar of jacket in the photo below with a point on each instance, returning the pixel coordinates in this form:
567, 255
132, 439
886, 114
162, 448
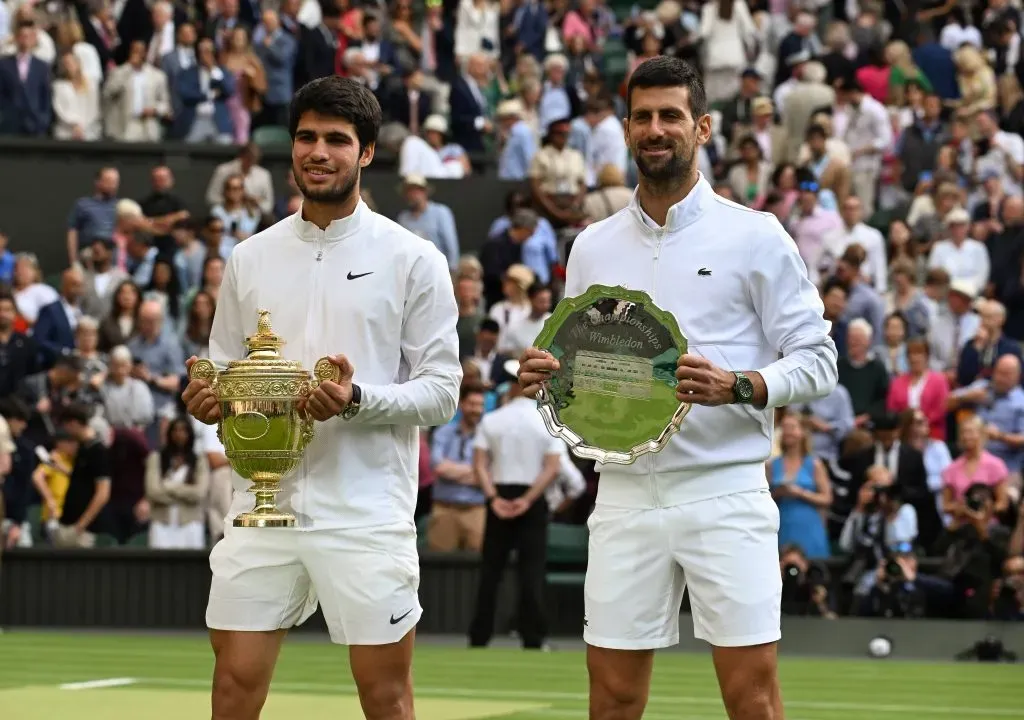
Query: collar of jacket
685, 212
338, 230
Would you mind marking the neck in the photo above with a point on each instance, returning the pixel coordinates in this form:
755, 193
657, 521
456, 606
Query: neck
323, 214
972, 454
5, 334
656, 199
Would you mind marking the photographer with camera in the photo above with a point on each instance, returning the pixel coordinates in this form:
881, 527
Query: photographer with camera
1009, 602
879, 521
804, 584
898, 591
973, 550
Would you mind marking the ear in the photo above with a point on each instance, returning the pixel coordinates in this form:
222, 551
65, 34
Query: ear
703, 129
367, 157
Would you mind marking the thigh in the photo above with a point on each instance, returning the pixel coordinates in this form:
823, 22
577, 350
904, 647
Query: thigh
378, 669
248, 658
367, 581
634, 586
259, 582
473, 519
728, 548
620, 677
443, 528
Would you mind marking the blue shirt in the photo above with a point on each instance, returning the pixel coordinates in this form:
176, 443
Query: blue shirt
515, 159
6, 267
451, 443
539, 252
1006, 412
93, 217
437, 224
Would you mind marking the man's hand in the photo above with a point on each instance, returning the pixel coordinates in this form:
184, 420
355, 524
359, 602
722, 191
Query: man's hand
702, 383
142, 511
504, 509
199, 398
535, 367
330, 397
13, 536
519, 506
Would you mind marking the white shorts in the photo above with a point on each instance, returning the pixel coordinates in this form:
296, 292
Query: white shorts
366, 580
724, 549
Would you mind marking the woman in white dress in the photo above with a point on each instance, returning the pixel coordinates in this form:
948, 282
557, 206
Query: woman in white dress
31, 294
176, 483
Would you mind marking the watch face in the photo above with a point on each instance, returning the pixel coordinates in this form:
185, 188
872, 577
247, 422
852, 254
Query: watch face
744, 389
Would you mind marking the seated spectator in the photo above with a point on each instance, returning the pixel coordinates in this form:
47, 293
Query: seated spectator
31, 294
55, 327
610, 196
429, 155
430, 220
515, 283
127, 401
920, 388
863, 374
239, 213
893, 351
935, 453
801, 487
905, 298
259, 186
177, 482
978, 357
975, 466
87, 340
119, 324
558, 177
954, 324
523, 331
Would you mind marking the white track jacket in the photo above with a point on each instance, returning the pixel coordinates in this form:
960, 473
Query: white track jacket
736, 284
380, 295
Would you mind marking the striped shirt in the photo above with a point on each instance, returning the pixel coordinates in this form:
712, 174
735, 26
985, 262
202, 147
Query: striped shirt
93, 216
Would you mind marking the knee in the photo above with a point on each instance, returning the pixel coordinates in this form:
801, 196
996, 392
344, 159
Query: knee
237, 695
617, 693
753, 698
386, 699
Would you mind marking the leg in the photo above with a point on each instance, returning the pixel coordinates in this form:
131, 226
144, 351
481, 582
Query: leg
633, 592
532, 541
498, 538
383, 676
749, 681
443, 528
728, 547
472, 522
259, 590
620, 682
244, 663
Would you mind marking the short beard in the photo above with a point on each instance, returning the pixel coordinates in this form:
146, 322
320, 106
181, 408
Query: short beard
336, 195
668, 176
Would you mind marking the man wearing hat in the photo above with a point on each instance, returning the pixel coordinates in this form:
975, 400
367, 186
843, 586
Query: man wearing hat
430, 220
953, 326
963, 258
771, 138
428, 156
519, 145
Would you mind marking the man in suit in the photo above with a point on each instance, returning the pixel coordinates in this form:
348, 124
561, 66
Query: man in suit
54, 330
174, 63
277, 50
26, 98
409, 104
137, 99
905, 464
205, 88
469, 118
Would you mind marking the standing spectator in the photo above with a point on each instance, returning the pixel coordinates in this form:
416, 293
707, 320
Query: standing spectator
812, 224
893, 350
862, 300
94, 216
19, 355
801, 487
470, 111
963, 258
476, 29
430, 220
258, 184
245, 65
26, 97
977, 359
129, 509
239, 213
127, 401
205, 89
137, 100
174, 63
55, 327
863, 124
863, 374
855, 231
276, 49
558, 177
459, 509
85, 512
164, 208
515, 461
177, 481
30, 292
1002, 413
728, 33
921, 388
908, 300
953, 326
158, 362
519, 146
76, 103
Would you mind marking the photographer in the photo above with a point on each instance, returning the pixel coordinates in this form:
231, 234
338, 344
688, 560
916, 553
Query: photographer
880, 520
1009, 602
896, 591
973, 550
804, 584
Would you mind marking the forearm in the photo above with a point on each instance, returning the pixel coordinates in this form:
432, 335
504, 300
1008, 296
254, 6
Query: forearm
805, 374
543, 480
96, 505
452, 471
426, 401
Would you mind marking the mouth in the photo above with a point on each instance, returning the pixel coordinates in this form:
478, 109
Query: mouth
656, 151
318, 171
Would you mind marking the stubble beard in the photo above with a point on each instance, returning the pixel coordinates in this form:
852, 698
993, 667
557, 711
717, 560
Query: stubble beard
669, 175
335, 195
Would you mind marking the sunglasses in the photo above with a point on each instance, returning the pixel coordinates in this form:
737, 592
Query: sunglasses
808, 187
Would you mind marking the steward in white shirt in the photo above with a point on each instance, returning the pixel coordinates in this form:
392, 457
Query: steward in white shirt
336, 278
854, 231
699, 513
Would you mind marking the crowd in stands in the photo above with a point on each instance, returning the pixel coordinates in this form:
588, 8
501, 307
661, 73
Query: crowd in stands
885, 137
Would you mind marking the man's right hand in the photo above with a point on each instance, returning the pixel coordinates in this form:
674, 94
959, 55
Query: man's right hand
199, 398
535, 367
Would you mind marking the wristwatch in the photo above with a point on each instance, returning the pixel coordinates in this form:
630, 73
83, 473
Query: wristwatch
743, 390
352, 409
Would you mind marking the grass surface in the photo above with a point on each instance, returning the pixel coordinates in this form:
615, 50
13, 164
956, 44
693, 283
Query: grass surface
167, 678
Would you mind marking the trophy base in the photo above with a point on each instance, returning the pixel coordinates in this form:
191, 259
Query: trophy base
264, 520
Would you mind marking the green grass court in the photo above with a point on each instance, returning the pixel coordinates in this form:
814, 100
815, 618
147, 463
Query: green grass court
45, 676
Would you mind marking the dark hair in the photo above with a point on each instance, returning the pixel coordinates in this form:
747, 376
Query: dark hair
173, 289
833, 284
667, 71
816, 130
917, 345
115, 308
536, 289
14, 408
471, 388
489, 325
854, 255
903, 320
338, 97
76, 412
169, 451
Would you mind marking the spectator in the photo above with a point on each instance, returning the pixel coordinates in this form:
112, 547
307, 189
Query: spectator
30, 292
960, 256
935, 453
94, 216
25, 87
430, 156
520, 146
127, 401
174, 64
978, 357
610, 195
76, 103
205, 89
863, 374
19, 354
854, 232
920, 388
953, 326
459, 509
85, 513
893, 351
52, 477
906, 300
976, 465
137, 99
430, 220
801, 487
54, 330
164, 207
862, 300
17, 480
158, 362
177, 482
119, 324
524, 330
258, 184
276, 49
239, 213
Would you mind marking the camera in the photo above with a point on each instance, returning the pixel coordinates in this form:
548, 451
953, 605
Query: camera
976, 495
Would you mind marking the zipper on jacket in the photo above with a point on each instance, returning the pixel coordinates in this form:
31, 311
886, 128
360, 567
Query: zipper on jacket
311, 308
660, 235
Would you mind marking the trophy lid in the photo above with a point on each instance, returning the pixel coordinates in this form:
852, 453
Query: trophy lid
263, 349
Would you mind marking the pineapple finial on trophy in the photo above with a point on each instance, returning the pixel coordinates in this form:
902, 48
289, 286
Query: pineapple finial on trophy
263, 323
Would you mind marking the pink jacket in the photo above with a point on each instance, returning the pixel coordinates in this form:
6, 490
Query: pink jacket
933, 400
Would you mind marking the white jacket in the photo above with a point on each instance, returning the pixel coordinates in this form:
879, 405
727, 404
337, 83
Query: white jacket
394, 320
755, 304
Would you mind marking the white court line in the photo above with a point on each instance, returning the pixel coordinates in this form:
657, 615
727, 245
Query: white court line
495, 694
96, 684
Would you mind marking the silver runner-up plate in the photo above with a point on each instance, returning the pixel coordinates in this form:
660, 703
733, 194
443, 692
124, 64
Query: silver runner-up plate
613, 397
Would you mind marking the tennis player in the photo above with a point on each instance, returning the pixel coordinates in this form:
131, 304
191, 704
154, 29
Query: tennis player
337, 278
698, 514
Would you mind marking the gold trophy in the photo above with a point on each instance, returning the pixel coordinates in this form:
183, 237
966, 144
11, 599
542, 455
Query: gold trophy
263, 432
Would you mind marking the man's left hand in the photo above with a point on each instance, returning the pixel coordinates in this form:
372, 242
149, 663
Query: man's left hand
702, 383
330, 397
